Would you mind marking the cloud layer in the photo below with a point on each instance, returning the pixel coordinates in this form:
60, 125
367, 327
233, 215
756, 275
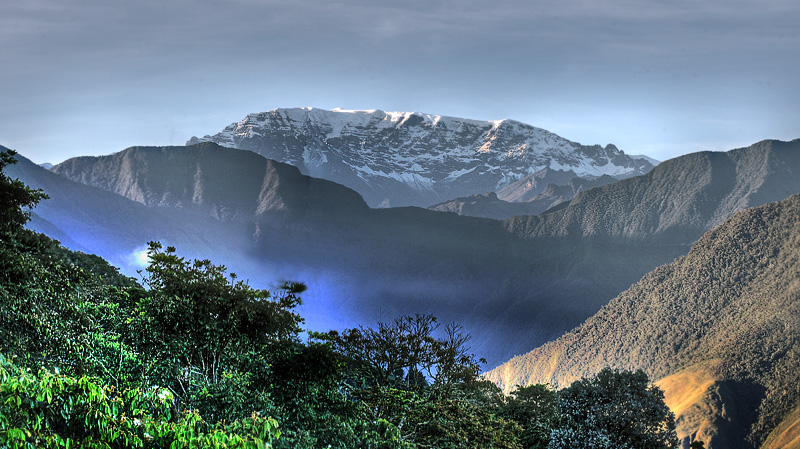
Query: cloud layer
658, 77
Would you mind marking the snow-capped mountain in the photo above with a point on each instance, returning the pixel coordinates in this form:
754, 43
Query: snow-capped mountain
410, 158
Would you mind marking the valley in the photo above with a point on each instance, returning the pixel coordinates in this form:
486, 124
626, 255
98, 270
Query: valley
513, 283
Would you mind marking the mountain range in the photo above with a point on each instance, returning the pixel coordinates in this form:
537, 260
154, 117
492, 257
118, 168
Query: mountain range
717, 328
514, 284
414, 159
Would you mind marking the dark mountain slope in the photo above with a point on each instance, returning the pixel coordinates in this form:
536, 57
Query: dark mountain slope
607, 238
719, 327
489, 205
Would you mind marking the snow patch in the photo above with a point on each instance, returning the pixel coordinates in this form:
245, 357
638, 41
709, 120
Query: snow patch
453, 175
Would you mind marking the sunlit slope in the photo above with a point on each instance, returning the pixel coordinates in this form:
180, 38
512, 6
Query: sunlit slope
719, 327
787, 434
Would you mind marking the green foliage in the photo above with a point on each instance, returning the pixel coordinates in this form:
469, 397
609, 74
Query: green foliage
53, 410
615, 409
57, 314
425, 385
196, 303
459, 423
227, 349
202, 330
405, 353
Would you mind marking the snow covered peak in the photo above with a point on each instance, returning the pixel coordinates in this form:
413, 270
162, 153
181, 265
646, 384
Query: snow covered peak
414, 158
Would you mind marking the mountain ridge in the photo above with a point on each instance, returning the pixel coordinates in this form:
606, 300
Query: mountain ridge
250, 185
681, 198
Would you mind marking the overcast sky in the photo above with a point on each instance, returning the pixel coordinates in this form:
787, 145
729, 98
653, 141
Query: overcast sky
660, 78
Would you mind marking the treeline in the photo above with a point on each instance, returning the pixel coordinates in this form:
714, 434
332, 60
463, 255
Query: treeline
190, 356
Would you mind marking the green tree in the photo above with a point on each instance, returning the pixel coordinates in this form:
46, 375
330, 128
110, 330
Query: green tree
423, 380
53, 310
405, 353
227, 349
615, 409
15, 198
534, 408
210, 337
457, 422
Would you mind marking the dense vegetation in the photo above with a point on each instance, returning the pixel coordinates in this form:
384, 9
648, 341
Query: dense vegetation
192, 357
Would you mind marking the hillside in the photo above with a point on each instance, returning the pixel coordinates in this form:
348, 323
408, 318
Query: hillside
93, 220
228, 185
719, 328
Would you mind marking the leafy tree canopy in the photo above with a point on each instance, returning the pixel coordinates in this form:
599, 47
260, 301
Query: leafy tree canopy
615, 409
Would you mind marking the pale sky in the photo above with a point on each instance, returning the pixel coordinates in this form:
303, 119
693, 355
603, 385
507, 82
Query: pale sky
661, 78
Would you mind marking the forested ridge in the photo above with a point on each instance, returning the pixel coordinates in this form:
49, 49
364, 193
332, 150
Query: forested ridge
190, 356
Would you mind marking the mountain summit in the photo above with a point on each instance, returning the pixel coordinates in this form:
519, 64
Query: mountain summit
410, 158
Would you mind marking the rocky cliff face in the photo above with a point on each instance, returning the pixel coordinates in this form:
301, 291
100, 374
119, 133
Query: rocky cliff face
409, 158
226, 184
